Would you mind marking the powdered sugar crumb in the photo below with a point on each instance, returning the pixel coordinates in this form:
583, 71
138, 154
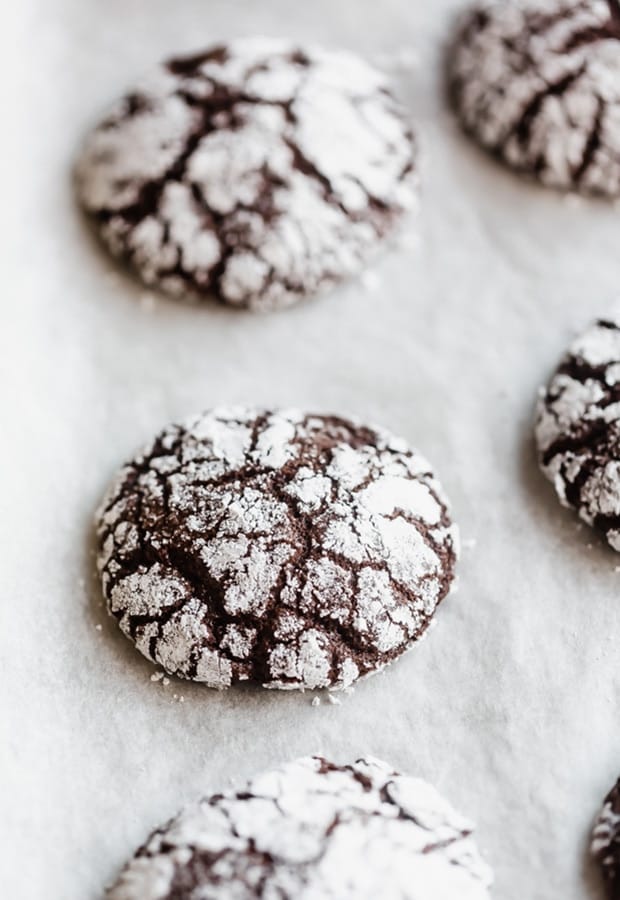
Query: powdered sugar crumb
370, 281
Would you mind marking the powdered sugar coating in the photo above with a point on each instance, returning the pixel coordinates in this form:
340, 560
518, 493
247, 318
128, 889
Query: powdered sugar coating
309, 831
296, 550
578, 428
537, 82
256, 171
605, 846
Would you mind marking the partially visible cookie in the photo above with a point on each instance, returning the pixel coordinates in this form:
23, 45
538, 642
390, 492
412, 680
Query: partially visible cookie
312, 830
578, 428
537, 82
289, 549
257, 171
606, 841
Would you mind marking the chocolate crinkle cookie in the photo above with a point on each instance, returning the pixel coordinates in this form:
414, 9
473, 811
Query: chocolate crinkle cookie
578, 428
606, 841
256, 171
537, 82
312, 830
293, 550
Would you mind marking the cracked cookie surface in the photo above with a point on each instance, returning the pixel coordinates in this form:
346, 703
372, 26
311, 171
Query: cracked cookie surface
537, 82
289, 549
311, 830
605, 846
578, 428
256, 172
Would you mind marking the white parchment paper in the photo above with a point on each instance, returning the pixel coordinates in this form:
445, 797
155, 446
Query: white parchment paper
512, 706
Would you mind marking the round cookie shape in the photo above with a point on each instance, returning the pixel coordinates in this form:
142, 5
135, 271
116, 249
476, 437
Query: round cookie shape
537, 82
312, 830
284, 548
578, 428
605, 844
256, 172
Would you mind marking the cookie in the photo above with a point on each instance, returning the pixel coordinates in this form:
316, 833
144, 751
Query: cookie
257, 172
312, 830
578, 428
606, 841
293, 550
537, 82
